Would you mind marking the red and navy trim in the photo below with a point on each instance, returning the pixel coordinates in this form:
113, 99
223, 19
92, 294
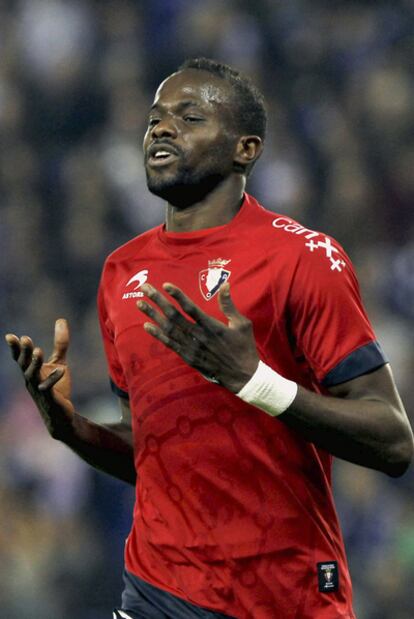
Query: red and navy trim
361, 361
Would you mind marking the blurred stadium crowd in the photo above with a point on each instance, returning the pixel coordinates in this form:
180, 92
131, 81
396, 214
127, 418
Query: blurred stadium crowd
76, 80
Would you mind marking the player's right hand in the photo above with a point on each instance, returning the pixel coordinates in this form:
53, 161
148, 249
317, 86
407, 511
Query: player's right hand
48, 382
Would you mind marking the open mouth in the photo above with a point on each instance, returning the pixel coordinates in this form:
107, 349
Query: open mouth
161, 158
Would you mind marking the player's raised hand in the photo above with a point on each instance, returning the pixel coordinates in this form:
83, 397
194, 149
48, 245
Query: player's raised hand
225, 354
48, 382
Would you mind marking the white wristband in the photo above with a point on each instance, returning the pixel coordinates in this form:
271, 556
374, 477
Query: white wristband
269, 391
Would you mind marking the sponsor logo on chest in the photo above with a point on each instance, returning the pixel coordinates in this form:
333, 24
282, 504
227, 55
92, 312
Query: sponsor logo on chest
213, 277
137, 280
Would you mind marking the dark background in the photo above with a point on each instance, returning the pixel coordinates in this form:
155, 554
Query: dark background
76, 80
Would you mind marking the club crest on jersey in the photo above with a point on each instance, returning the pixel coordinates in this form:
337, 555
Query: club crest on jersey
212, 278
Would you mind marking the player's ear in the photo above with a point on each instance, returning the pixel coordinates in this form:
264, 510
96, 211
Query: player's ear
248, 150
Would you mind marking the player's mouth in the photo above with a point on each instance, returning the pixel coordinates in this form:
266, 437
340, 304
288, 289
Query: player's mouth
161, 155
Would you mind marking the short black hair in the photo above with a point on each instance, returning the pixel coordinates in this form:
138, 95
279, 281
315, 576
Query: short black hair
250, 111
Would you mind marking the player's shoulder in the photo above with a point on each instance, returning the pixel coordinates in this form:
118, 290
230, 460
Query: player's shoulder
131, 248
284, 233
120, 260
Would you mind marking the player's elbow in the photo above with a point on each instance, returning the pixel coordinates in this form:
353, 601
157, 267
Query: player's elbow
400, 454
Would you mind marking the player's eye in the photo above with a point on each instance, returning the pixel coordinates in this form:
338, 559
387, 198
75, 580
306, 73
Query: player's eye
153, 121
191, 118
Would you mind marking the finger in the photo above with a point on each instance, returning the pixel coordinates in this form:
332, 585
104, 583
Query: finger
227, 306
26, 351
188, 305
60, 342
162, 337
174, 317
32, 373
151, 312
13, 343
189, 350
168, 308
188, 353
52, 379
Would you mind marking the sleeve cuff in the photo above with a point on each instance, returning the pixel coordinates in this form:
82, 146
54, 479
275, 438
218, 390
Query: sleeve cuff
119, 392
361, 361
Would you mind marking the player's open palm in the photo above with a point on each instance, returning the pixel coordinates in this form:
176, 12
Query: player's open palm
48, 382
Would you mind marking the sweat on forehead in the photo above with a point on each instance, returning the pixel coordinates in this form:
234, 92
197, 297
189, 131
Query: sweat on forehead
195, 83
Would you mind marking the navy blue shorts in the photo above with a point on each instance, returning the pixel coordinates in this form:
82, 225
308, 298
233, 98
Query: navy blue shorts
140, 600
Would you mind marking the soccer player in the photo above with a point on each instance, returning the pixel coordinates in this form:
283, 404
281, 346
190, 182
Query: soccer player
244, 360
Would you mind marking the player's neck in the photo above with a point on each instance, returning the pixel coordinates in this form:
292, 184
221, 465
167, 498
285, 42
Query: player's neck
216, 209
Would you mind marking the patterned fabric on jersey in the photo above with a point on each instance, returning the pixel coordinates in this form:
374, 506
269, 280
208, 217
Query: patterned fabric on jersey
234, 510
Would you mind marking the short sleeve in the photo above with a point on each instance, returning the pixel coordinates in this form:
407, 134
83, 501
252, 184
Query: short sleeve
329, 322
116, 374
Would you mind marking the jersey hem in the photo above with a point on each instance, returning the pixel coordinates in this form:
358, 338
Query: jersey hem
173, 592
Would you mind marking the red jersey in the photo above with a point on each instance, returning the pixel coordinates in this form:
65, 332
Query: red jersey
234, 510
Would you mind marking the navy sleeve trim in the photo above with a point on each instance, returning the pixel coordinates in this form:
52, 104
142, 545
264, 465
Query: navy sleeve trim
119, 392
361, 361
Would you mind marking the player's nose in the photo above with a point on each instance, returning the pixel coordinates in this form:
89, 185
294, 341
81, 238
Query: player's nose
165, 127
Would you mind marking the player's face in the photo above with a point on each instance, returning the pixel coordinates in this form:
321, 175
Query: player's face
190, 142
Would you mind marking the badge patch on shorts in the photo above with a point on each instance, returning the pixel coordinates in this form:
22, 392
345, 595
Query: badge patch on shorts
328, 576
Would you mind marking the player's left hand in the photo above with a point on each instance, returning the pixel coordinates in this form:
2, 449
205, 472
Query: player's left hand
226, 354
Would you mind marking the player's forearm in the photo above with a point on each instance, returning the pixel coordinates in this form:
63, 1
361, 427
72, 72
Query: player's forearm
367, 432
107, 448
